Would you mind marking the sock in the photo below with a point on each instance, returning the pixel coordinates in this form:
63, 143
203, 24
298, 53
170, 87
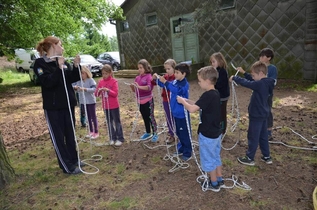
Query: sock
269, 132
219, 178
214, 183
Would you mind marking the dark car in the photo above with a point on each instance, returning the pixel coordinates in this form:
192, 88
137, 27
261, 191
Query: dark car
91, 62
111, 58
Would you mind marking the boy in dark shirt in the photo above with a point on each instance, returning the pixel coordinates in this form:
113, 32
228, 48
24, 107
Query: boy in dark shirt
209, 129
258, 111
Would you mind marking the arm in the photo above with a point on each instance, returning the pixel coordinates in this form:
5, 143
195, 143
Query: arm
181, 91
114, 91
49, 75
190, 107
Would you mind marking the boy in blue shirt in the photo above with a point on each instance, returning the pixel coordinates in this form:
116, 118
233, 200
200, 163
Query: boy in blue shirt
258, 111
179, 87
209, 129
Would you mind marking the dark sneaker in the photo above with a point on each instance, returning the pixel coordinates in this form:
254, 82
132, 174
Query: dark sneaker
214, 188
246, 161
76, 171
270, 138
268, 160
221, 184
184, 158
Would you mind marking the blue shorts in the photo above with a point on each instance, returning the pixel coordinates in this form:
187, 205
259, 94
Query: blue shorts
209, 150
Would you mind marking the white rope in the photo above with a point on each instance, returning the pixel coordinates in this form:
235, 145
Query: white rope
314, 148
234, 114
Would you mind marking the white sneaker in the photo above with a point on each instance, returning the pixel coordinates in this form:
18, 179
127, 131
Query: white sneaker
111, 142
118, 143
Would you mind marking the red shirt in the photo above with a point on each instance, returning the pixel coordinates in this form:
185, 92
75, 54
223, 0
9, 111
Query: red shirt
166, 94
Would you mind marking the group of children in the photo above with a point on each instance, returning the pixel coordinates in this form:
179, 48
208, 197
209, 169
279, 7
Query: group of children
212, 107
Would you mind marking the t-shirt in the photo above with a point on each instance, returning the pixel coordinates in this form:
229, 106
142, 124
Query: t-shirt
210, 117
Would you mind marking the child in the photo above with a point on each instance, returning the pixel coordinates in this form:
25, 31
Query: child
266, 56
81, 110
108, 89
217, 60
143, 83
169, 67
179, 87
86, 88
258, 112
209, 129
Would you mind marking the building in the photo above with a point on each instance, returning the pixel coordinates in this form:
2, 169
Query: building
158, 30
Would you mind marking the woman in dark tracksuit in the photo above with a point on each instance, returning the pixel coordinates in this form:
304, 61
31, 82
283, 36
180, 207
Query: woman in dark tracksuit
50, 69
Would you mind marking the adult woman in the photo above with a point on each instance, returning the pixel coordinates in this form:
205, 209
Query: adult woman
59, 101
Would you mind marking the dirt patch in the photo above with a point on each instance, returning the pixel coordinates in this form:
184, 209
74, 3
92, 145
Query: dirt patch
286, 184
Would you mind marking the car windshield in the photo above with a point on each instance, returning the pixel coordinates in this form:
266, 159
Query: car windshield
87, 59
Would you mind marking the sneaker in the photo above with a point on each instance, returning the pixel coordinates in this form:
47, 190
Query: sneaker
221, 184
90, 135
95, 135
175, 154
210, 186
76, 171
111, 143
145, 136
270, 138
213, 188
170, 140
154, 138
246, 161
118, 143
268, 160
184, 158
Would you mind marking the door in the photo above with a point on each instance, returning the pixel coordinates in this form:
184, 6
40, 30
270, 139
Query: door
184, 35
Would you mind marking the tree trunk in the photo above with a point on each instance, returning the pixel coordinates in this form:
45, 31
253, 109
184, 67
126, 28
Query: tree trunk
6, 170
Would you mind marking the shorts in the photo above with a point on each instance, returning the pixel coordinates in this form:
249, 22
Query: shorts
209, 150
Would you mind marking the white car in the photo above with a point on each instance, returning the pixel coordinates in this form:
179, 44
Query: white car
24, 58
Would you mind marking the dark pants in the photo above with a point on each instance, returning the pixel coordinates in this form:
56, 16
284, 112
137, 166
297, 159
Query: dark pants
62, 136
183, 136
169, 118
92, 118
114, 124
147, 112
223, 116
257, 135
270, 118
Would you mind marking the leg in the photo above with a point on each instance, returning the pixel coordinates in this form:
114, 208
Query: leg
109, 120
89, 115
117, 123
263, 142
145, 112
224, 116
253, 137
56, 125
70, 136
152, 118
92, 111
270, 118
184, 137
82, 115
168, 118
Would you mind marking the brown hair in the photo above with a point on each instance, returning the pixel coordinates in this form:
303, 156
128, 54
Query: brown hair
258, 67
170, 62
220, 59
267, 52
87, 71
146, 65
183, 68
208, 73
44, 45
108, 69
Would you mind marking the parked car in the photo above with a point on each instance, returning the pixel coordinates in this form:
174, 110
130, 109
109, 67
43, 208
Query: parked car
91, 62
111, 58
32, 75
24, 58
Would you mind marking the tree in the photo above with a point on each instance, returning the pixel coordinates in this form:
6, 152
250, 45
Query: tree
6, 170
23, 23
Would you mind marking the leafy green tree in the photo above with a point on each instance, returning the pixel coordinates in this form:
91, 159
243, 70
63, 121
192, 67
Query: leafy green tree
23, 23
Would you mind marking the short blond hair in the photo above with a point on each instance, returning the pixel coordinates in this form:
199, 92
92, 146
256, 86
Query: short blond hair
208, 73
258, 67
87, 71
